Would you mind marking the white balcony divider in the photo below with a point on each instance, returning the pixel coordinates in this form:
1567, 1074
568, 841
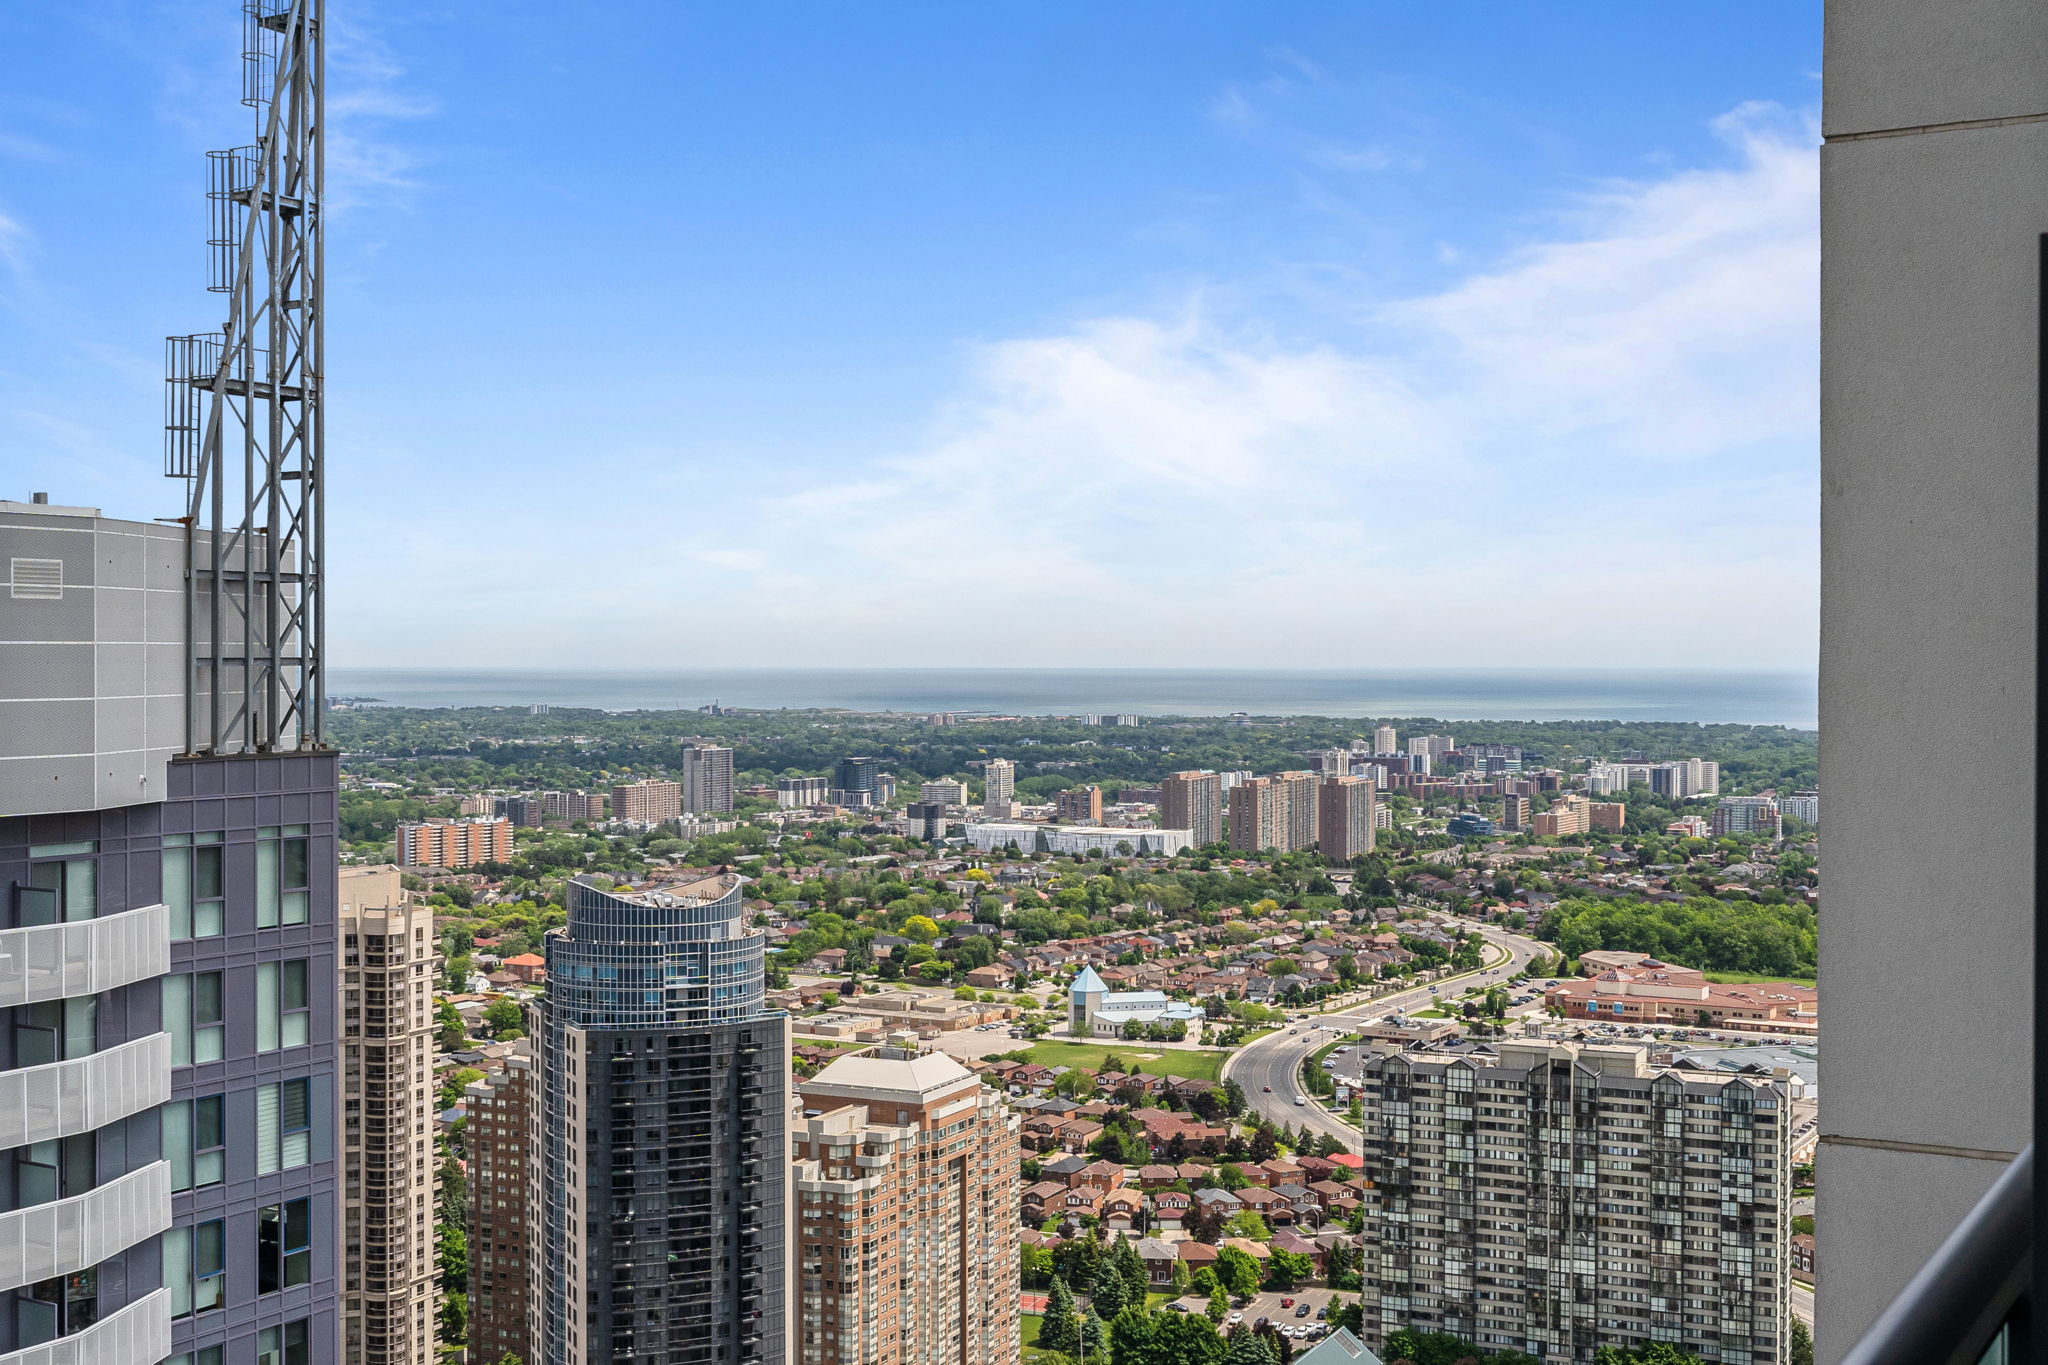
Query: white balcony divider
57, 1238
38, 1103
139, 1334
84, 957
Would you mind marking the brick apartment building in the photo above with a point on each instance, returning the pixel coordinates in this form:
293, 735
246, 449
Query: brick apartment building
454, 843
906, 1175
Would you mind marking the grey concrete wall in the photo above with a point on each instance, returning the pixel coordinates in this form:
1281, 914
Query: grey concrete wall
1934, 189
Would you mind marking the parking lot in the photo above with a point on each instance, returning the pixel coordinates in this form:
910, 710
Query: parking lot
1284, 1310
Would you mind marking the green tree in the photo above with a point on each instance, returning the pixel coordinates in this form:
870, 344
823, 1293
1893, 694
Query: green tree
1184, 1339
1109, 1294
449, 1019
1247, 1347
504, 1018
1130, 1337
1060, 1331
451, 1254
1219, 1305
1238, 1272
1656, 1353
1802, 1344
455, 1082
1287, 1270
1094, 1334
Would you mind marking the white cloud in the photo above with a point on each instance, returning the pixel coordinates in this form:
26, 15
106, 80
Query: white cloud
14, 243
1599, 449
365, 92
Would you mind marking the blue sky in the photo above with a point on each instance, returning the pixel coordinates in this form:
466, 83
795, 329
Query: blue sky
1054, 333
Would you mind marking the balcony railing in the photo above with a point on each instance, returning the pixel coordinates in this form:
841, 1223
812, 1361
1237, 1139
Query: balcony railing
57, 1238
1969, 1304
139, 1334
57, 1099
83, 957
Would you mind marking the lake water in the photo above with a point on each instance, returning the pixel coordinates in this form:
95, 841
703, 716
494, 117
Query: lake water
1709, 696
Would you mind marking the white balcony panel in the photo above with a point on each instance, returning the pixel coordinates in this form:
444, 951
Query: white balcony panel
38, 1103
84, 957
139, 1334
57, 1238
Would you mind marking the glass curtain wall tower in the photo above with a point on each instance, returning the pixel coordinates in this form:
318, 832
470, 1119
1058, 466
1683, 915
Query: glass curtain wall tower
663, 1115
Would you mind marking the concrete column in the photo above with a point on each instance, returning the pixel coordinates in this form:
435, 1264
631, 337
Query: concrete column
1934, 190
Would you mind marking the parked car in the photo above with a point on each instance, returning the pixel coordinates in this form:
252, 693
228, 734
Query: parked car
1302, 1311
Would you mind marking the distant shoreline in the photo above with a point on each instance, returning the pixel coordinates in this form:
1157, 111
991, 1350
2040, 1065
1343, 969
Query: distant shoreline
1703, 696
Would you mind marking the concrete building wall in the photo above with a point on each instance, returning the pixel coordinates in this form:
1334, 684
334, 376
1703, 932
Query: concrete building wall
1934, 188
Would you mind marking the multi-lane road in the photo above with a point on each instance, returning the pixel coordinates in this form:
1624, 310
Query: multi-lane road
1269, 1070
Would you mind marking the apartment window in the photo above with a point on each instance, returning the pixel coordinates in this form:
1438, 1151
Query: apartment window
195, 1142
195, 1267
284, 1345
283, 1005
56, 1308
284, 1245
284, 1126
193, 1018
194, 886
283, 874
205, 1355
56, 1030
46, 1171
62, 884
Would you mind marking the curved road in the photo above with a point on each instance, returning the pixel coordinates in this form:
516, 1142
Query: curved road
1275, 1060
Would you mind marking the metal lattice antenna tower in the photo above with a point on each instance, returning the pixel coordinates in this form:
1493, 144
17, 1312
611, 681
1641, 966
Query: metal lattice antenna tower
243, 421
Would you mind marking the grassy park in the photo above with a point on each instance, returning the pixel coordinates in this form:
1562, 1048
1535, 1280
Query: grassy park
1199, 1064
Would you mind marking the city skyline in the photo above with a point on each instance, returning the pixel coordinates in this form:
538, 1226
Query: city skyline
1379, 284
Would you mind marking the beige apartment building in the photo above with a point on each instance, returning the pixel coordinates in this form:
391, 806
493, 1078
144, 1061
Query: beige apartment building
905, 1215
1344, 818
1514, 811
1574, 814
498, 1137
1555, 1199
998, 789
388, 956
1277, 812
454, 843
576, 805
647, 802
1193, 801
947, 791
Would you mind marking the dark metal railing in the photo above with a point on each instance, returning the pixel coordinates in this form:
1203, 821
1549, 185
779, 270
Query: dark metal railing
1969, 1303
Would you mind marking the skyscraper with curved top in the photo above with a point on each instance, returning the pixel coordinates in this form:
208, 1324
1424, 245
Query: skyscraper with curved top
663, 1111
